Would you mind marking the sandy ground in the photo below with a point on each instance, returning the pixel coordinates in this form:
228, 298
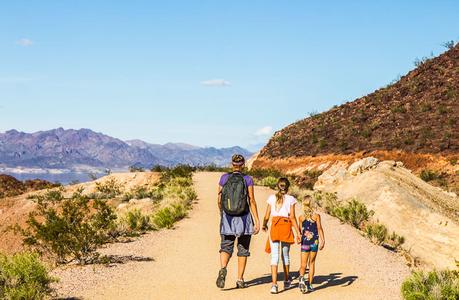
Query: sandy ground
183, 263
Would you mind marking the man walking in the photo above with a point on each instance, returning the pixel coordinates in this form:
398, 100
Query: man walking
239, 218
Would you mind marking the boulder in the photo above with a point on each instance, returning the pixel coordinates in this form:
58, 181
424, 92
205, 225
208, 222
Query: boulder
362, 165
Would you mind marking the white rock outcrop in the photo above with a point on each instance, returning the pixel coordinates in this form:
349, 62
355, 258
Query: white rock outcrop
362, 165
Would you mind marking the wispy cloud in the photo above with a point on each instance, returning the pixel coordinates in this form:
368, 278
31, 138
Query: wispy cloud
24, 42
216, 82
264, 131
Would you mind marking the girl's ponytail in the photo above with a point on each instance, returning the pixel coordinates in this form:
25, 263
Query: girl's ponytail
282, 185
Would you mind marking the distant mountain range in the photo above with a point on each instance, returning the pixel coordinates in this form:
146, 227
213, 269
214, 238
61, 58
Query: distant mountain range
76, 149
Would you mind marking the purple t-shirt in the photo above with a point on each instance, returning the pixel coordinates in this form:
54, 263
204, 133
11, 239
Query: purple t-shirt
248, 179
236, 225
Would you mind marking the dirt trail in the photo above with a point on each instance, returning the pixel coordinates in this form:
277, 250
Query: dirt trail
186, 263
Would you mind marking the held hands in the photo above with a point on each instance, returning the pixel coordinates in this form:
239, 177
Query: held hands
298, 239
256, 228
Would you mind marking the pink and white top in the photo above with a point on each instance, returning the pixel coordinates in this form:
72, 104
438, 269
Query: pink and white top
284, 210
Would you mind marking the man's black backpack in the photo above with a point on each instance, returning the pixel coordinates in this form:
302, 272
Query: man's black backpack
234, 195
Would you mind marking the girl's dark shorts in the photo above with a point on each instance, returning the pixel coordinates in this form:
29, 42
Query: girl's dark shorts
243, 244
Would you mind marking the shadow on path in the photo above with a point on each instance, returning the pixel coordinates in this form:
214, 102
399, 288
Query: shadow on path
322, 281
333, 279
110, 260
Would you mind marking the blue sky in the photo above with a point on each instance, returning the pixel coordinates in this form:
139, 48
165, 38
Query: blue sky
203, 72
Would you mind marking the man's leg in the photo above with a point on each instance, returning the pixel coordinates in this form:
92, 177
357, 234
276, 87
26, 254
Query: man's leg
241, 263
224, 259
226, 250
243, 244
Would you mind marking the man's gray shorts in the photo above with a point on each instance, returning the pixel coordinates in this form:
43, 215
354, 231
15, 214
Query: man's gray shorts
243, 244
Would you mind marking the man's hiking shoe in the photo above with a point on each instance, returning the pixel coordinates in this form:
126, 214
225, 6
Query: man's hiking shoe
221, 278
274, 289
287, 284
310, 288
240, 284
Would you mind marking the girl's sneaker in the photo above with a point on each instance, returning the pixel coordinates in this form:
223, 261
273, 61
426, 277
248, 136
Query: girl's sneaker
302, 285
310, 288
240, 284
274, 289
287, 284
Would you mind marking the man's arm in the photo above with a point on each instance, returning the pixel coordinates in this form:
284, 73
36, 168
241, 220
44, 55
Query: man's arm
219, 197
253, 209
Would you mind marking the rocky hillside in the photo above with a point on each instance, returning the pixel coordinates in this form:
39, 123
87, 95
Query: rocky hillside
414, 120
417, 114
67, 149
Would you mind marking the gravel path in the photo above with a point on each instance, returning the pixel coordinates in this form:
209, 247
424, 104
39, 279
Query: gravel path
183, 263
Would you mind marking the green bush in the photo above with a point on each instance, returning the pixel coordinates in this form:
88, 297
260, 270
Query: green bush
70, 230
328, 201
213, 168
177, 171
23, 276
353, 212
434, 285
136, 168
394, 240
428, 175
376, 232
307, 179
167, 216
269, 181
54, 195
108, 189
136, 222
262, 173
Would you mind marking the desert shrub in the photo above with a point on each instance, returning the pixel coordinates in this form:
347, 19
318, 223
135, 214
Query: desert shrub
262, 173
177, 171
136, 168
155, 193
167, 216
24, 276
426, 107
453, 161
50, 195
136, 222
398, 109
428, 175
213, 168
322, 144
108, 189
308, 179
449, 44
328, 201
433, 285
419, 62
353, 212
442, 109
394, 240
298, 192
269, 181
141, 192
376, 232
70, 230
